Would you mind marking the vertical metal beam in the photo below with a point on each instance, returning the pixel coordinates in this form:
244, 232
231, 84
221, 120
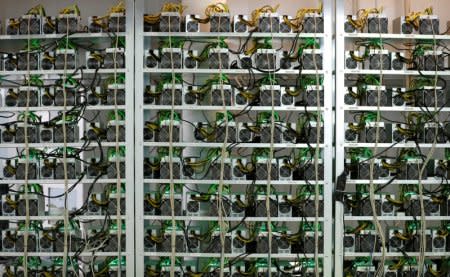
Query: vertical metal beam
339, 134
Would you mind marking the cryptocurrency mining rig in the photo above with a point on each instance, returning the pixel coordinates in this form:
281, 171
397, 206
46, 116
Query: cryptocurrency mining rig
65, 173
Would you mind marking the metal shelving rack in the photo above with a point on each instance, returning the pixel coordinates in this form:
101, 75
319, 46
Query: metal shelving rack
144, 112
391, 78
10, 43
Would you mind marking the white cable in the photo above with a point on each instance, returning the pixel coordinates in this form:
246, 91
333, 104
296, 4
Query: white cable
316, 158
172, 185
220, 209
27, 157
379, 228
423, 240
66, 184
117, 162
269, 161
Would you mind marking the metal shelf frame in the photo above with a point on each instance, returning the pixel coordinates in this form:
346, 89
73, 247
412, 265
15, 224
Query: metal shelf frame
141, 74
128, 217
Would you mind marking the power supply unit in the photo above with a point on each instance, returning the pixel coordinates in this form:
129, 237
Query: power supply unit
28, 60
190, 98
149, 238
114, 58
245, 61
379, 59
94, 131
238, 205
395, 239
377, 23
285, 170
28, 94
9, 239
402, 133
270, 95
47, 61
9, 62
267, 59
96, 24
442, 170
349, 242
261, 209
9, 169
313, 23
368, 241
389, 206
67, 23
220, 23
287, 62
30, 24
309, 132
216, 95
310, 97
47, 96
171, 58
285, 206
46, 238
351, 135
269, 23
94, 59
243, 97
33, 168
429, 25
196, 204
239, 241
95, 168
116, 22
93, 97
351, 97
9, 204
152, 58
432, 61
240, 24
398, 61
65, 59
115, 94
439, 238
351, 62
36, 204
312, 59
285, 25
413, 245
189, 61
32, 242
8, 133
399, 98
12, 26
170, 22
348, 26
289, 133
96, 204
9, 97
48, 25
47, 169
115, 129
239, 169
191, 23
434, 132
219, 58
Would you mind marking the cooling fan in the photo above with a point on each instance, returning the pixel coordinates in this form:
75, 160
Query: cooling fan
117, 22
219, 58
67, 23
239, 24
27, 61
192, 25
72, 170
69, 93
267, 59
32, 133
71, 133
32, 170
20, 242
171, 58
260, 208
30, 24
312, 59
28, 94
170, 22
379, 59
377, 23
313, 23
220, 23
65, 59
270, 95
269, 23
216, 95
428, 25
166, 96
